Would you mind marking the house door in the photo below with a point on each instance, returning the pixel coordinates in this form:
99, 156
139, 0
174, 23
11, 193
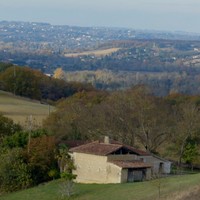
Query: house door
134, 175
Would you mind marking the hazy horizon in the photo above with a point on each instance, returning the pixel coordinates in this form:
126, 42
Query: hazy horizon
171, 15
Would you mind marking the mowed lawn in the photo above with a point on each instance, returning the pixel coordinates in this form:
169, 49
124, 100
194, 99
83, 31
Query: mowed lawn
19, 109
147, 190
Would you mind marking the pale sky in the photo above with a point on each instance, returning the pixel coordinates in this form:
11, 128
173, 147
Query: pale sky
170, 15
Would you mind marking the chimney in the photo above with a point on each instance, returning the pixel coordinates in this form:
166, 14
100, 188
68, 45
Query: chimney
106, 140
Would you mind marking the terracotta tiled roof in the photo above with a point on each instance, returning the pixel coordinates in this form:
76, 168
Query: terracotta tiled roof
96, 148
104, 149
131, 164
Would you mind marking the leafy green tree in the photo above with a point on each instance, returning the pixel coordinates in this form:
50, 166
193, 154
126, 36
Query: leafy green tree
14, 172
190, 153
18, 139
64, 160
7, 127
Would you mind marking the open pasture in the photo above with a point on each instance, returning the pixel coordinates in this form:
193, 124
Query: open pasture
20, 109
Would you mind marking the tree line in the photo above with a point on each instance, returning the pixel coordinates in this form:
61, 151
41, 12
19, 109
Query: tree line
27, 82
161, 83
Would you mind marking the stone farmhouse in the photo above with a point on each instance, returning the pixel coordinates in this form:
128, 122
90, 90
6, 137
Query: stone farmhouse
106, 162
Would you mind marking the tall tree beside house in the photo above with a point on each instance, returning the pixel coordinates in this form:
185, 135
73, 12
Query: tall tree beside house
63, 158
66, 166
41, 158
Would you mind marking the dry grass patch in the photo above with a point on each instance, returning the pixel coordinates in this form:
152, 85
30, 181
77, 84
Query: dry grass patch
96, 53
192, 193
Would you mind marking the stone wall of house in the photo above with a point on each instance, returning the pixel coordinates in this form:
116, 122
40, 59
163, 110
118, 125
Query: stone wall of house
124, 175
148, 174
167, 167
95, 169
114, 173
158, 165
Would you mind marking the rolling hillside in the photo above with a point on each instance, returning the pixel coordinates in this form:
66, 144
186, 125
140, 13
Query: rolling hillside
19, 108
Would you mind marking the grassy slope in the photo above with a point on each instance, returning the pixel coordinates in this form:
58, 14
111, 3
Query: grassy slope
138, 191
19, 109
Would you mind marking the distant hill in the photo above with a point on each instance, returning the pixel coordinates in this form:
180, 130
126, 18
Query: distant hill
166, 61
44, 46
20, 109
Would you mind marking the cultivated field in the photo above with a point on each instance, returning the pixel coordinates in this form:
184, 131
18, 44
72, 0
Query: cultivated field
96, 53
20, 109
177, 187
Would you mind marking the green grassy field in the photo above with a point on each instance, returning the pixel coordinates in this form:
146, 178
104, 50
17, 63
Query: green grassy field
147, 190
19, 109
